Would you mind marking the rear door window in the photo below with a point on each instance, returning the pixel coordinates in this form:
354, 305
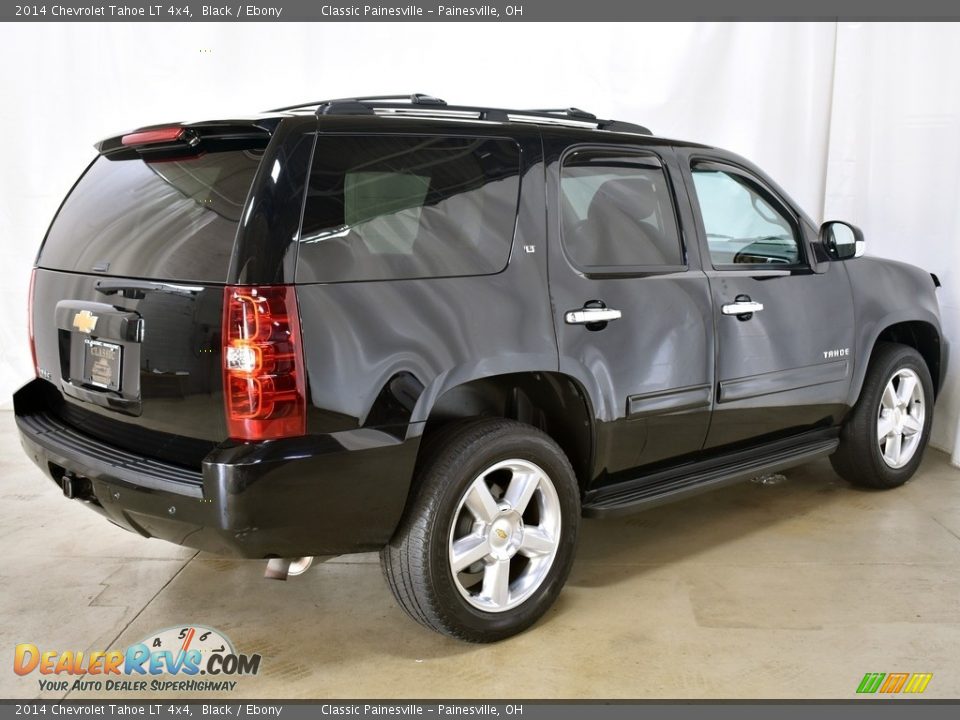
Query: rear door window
389, 207
617, 213
164, 220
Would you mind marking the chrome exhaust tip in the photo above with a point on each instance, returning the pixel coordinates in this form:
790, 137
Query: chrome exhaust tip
282, 568
277, 569
298, 566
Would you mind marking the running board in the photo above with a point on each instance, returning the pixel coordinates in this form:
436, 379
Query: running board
691, 479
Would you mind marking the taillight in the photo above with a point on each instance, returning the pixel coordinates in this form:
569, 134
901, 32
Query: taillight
146, 137
33, 344
263, 372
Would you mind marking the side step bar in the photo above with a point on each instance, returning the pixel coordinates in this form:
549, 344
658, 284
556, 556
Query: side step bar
693, 478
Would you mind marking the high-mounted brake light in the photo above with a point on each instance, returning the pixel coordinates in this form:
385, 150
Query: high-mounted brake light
169, 134
263, 371
33, 344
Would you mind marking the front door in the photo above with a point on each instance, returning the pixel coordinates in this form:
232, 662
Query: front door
631, 306
784, 330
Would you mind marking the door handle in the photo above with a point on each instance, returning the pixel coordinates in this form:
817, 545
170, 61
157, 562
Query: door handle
589, 315
741, 307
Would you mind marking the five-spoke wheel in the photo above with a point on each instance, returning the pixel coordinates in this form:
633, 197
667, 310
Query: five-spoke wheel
505, 535
882, 439
900, 418
487, 542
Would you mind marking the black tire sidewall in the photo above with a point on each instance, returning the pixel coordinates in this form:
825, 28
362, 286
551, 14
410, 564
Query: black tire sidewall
896, 359
523, 444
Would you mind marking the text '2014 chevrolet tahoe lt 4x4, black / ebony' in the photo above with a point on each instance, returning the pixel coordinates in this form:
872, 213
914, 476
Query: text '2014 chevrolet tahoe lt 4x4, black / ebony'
447, 333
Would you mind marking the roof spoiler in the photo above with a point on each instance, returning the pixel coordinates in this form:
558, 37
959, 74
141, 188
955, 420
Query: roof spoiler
185, 137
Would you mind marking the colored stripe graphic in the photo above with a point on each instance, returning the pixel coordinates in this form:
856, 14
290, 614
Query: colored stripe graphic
871, 682
918, 682
894, 682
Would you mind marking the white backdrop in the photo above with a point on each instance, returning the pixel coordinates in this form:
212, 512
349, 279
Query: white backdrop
781, 94
894, 163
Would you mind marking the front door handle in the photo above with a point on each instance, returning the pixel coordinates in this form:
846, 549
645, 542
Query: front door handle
590, 315
741, 307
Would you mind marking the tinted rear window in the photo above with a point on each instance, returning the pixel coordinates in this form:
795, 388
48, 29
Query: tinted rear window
617, 211
169, 220
387, 207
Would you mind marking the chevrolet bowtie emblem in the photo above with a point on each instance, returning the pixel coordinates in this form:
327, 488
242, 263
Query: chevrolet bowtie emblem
85, 321
501, 534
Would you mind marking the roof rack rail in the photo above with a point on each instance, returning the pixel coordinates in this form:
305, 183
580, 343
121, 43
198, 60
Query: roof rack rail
569, 112
624, 127
422, 105
412, 98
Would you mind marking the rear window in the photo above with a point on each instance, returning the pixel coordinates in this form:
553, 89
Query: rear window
164, 220
388, 207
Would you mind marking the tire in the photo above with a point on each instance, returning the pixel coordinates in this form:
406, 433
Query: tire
863, 457
518, 558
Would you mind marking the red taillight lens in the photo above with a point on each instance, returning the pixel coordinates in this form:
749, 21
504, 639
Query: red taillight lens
33, 344
146, 137
263, 372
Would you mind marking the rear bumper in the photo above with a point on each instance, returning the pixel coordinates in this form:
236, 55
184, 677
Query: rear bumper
315, 495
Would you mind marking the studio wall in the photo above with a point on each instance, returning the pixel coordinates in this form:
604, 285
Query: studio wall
802, 100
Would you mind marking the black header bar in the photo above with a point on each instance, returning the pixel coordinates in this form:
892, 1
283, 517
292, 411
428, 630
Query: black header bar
461, 11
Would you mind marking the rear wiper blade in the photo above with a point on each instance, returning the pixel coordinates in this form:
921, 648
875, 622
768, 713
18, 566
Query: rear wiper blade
138, 289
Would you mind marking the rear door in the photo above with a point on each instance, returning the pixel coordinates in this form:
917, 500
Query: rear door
128, 294
631, 305
784, 328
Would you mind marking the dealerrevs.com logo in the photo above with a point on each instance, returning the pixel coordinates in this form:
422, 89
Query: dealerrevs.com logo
184, 652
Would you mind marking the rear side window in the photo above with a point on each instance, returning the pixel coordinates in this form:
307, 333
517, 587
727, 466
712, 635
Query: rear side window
617, 211
164, 220
389, 207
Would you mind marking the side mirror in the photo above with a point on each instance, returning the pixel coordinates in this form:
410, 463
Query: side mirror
842, 240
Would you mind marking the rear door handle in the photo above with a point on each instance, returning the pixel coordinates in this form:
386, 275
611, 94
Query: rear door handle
590, 315
741, 307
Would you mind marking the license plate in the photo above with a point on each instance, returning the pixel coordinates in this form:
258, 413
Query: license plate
101, 364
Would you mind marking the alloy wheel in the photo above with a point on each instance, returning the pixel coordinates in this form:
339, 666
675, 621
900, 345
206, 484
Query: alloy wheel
900, 418
505, 535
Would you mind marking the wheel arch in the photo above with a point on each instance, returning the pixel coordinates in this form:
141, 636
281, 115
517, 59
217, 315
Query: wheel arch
923, 335
551, 401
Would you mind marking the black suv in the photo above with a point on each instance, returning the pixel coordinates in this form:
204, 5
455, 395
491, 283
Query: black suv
447, 332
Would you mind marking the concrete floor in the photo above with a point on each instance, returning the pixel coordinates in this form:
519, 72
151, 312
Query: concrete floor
787, 590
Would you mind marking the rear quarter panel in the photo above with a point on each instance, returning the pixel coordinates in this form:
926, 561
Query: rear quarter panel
382, 352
